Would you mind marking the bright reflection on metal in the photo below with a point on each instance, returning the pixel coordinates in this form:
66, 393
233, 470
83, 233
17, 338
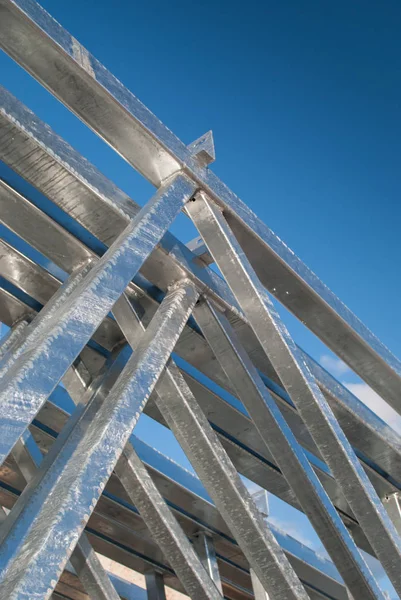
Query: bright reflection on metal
55, 58
88, 567
191, 428
300, 385
268, 442
61, 497
25, 386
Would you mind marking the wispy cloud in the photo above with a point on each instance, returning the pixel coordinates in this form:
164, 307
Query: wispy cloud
375, 403
361, 390
334, 365
295, 530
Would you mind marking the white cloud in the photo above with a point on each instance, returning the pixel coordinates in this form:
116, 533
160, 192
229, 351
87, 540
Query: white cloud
334, 365
295, 530
375, 403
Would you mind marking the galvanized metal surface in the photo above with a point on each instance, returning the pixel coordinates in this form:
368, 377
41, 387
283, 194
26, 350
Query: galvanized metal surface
87, 450
301, 386
263, 409
371, 437
129, 127
283, 445
155, 585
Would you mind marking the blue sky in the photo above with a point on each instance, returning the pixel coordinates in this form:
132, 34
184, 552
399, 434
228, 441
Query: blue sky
304, 102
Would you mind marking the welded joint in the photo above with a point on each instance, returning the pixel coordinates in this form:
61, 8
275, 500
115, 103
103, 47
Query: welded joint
80, 266
202, 196
202, 255
155, 584
181, 284
203, 542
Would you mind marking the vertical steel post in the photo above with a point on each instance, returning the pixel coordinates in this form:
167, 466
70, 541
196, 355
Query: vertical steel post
204, 546
155, 585
262, 502
258, 590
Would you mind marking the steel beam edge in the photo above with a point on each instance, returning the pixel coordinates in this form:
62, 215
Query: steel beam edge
23, 126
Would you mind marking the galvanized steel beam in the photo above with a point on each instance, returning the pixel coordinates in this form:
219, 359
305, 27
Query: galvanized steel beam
251, 456
191, 505
199, 442
300, 385
164, 528
86, 564
369, 433
36, 372
35, 151
32, 364
201, 445
53, 57
62, 496
281, 442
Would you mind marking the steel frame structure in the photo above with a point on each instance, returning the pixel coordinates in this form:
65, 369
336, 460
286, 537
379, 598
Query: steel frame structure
142, 323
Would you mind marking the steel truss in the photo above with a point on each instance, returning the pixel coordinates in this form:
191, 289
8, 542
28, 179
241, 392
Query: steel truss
146, 325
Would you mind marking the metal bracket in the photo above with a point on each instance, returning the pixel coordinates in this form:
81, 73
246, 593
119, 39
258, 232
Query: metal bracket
203, 149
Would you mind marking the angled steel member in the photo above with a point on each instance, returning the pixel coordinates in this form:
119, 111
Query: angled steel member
281, 442
23, 135
87, 566
300, 385
29, 382
153, 509
164, 528
60, 498
54, 57
217, 473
